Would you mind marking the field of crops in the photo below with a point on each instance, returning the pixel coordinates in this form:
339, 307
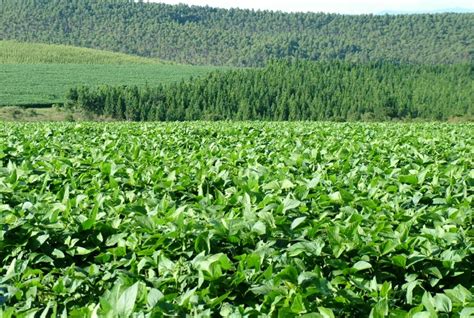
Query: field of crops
236, 220
12, 52
30, 84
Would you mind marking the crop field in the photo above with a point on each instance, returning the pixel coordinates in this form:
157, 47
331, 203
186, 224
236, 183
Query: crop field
35, 84
12, 52
236, 220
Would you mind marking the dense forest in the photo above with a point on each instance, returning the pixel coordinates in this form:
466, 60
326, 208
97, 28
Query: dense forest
294, 90
204, 35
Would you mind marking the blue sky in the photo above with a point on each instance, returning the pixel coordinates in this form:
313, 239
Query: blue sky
337, 6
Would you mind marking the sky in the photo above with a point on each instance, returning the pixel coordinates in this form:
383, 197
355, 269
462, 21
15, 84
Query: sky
335, 6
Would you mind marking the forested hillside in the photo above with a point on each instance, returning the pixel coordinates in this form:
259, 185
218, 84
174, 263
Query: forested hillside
298, 90
203, 35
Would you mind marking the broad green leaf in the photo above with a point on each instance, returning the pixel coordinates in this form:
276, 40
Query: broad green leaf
287, 184
126, 301
362, 265
380, 309
83, 251
313, 248
289, 204
400, 260
409, 294
467, 312
442, 303
410, 179
336, 197
154, 295
42, 238
58, 254
298, 221
459, 294
326, 312
259, 227
428, 303
297, 305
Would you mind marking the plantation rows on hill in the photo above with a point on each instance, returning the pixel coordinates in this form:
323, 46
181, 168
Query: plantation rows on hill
203, 35
295, 91
12, 52
46, 84
40, 74
237, 220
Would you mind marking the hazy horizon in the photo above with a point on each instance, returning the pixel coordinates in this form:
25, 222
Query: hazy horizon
338, 6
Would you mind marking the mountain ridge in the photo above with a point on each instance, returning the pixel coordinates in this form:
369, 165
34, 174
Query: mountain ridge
437, 11
235, 37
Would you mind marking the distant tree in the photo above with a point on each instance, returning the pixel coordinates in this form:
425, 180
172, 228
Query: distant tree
298, 90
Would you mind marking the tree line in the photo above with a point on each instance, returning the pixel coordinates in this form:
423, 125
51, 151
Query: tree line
294, 90
204, 35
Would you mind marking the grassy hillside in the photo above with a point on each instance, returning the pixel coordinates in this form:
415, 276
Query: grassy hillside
204, 35
12, 52
30, 84
37, 74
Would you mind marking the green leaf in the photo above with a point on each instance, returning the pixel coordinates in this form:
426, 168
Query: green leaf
380, 310
10, 271
313, 248
297, 305
126, 301
385, 289
259, 227
289, 204
42, 238
362, 265
165, 265
296, 222
410, 179
399, 260
467, 312
336, 197
273, 185
443, 303
58, 254
409, 294
459, 294
287, 184
84, 251
154, 296
416, 198
346, 195
290, 274
428, 301
326, 312
218, 300
439, 201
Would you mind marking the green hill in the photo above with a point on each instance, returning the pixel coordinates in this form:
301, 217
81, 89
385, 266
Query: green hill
45, 84
204, 35
40, 74
12, 52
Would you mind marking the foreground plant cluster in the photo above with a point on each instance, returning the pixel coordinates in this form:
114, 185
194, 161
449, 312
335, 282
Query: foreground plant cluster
236, 220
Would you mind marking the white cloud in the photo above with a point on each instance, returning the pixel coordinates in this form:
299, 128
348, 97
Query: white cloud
339, 6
